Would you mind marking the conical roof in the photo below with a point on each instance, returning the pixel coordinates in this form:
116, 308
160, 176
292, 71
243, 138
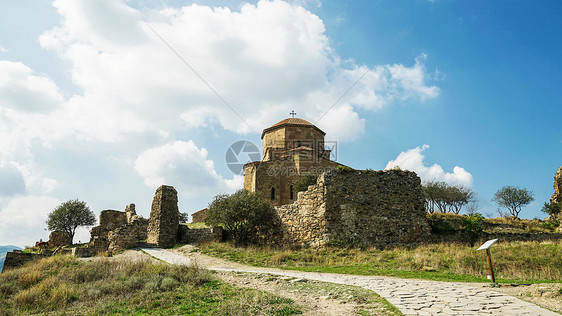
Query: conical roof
292, 121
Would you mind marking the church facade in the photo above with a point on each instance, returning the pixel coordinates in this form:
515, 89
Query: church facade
292, 148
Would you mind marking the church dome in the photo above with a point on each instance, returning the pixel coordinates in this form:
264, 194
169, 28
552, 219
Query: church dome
292, 121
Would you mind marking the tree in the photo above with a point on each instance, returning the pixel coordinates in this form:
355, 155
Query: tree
183, 218
70, 215
446, 198
513, 199
552, 209
244, 215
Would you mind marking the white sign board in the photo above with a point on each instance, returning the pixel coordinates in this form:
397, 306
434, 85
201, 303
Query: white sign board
487, 244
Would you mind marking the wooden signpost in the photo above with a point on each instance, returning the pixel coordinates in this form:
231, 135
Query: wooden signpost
486, 246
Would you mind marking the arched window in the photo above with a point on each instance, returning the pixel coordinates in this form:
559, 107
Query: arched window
272, 197
291, 192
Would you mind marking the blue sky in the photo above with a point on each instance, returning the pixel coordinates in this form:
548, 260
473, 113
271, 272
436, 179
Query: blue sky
94, 106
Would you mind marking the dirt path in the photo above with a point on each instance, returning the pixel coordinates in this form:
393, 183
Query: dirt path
412, 297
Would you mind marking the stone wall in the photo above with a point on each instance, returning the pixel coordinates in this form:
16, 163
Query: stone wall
164, 218
17, 258
199, 235
118, 230
59, 239
129, 235
371, 208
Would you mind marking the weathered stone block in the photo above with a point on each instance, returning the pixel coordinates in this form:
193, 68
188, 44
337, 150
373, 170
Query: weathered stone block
59, 239
164, 217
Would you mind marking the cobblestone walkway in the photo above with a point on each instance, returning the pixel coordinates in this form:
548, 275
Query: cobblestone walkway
411, 297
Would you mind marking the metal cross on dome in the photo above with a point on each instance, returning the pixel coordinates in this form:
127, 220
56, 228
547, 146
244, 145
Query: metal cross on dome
293, 113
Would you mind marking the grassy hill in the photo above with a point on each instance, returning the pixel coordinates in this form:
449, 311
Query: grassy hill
3, 250
61, 284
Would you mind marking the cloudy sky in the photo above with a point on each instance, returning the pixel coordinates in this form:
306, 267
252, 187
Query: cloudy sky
105, 100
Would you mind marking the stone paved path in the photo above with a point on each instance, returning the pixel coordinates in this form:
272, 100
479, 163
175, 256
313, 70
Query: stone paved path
411, 297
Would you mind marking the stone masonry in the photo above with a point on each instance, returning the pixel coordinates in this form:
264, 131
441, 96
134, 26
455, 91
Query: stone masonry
59, 239
164, 218
557, 196
118, 230
373, 208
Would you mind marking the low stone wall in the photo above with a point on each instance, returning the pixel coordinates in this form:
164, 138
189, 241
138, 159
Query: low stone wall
17, 258
369, 208
199, 235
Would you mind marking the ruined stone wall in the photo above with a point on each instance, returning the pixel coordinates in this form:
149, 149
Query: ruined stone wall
59, 239
111, 219
357, 207
303, 222
129, 235
17, 258
376, 208
164, 217
118, 230
199, 235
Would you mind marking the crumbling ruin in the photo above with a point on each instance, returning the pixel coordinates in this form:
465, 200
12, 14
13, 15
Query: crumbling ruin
371, 208
164, 218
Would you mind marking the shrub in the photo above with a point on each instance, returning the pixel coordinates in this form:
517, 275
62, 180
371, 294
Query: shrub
552, 209
305, 181
473, 226
244, 215
344, 169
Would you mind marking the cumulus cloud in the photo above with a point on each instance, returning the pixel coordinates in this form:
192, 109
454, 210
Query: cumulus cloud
262, 59
413, 160
183, 165
21, 90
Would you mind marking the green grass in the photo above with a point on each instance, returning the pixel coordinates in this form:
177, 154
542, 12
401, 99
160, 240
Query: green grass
514, 262
60, 284
196, 225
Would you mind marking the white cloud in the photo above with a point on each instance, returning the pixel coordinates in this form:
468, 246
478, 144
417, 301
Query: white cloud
3, 49
21, 90
262, 59
186, 167
23, 219
413, 160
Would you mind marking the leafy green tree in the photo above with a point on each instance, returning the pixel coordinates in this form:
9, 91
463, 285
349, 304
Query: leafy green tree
305, 181
244, 215
183, 218
552, 209
513, 199
70, 215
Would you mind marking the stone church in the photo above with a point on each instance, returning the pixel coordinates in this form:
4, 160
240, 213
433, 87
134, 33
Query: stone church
292, 148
